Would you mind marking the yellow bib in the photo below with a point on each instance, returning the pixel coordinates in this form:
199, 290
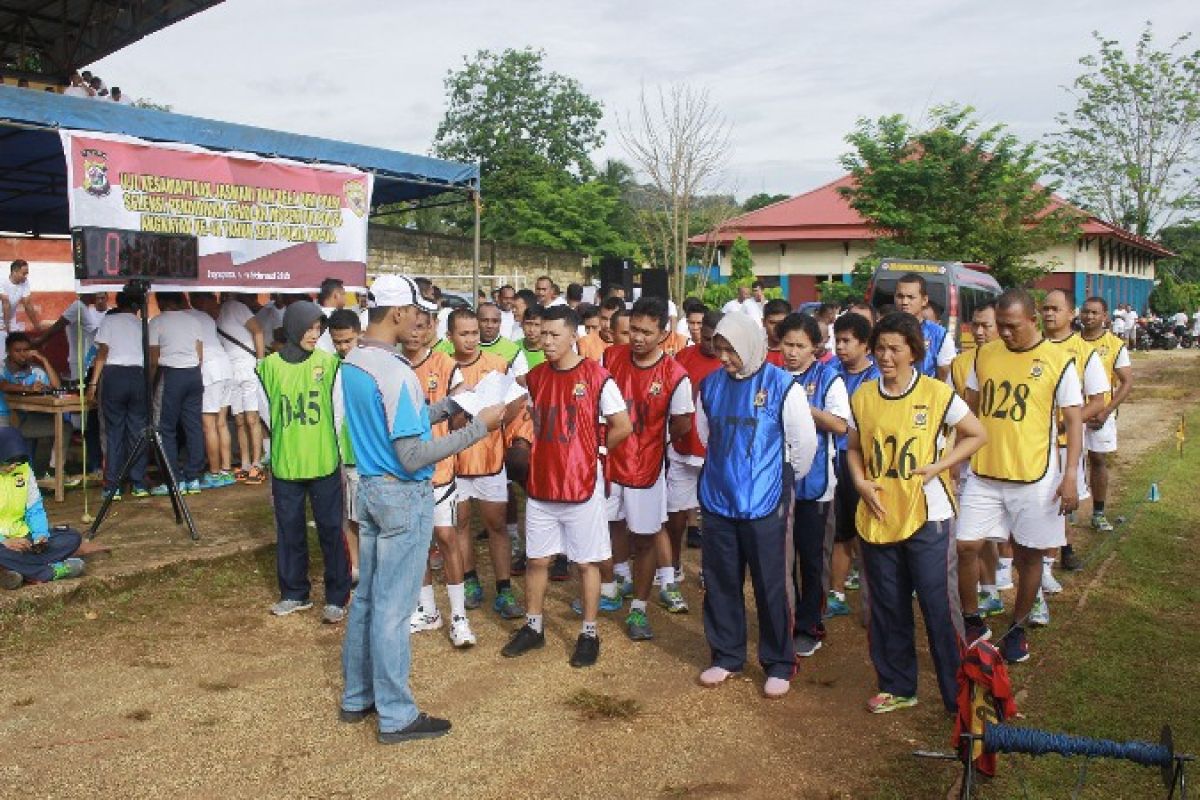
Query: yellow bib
960, 368
1017, 409
1081, 350
899, 434
1108, 347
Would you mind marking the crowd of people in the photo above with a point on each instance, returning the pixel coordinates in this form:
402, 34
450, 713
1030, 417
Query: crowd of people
853, 450
83, 84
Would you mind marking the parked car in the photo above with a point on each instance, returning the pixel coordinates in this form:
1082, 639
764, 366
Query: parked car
955, 290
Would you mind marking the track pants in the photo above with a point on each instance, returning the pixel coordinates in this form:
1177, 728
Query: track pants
123, 404
808, 537
291, 529
36, 566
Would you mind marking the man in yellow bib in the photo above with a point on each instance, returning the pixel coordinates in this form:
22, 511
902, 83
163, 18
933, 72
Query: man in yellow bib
1018, 386
1100, 438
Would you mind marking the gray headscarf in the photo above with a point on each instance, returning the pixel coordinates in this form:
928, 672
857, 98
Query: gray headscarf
297, 319
748, 338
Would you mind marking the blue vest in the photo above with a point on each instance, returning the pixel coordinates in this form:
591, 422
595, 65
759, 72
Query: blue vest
934, 336
853, 380
743, 474
816, 381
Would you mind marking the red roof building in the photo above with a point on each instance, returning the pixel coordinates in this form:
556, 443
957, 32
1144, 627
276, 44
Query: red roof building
816, 236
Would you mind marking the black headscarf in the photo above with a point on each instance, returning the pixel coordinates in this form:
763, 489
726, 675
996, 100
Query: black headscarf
297, 319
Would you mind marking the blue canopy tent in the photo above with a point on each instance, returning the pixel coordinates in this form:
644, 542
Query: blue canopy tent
33, 170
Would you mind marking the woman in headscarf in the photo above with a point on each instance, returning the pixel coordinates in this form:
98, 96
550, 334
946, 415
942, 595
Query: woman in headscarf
29, 550
755, 421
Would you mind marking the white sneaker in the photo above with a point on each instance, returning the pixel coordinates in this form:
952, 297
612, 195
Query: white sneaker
1004, 578
1050, 584
460, 632
1039, 615
423, 620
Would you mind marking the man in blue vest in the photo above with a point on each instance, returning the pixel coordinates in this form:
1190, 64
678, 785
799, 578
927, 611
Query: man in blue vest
755, 421
912, 297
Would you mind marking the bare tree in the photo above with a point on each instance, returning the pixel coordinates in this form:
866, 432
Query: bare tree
677, 138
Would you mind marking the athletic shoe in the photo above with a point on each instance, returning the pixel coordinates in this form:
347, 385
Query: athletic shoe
624, 587
212, 480
162, 490
1013, 647
423, 727
693, 537
1071, 562
137, 492
115, 494
657, 579
190, 487
518, 566
1004, 580
672, 599
422, 620
1050, 584
506, 605
806, 645
1039, 615
10, 580
332, 615
524, 640
835, 606
853, 582
436, 559
637, 626
346, 715
285, 607
885, 702
714, 676
976, 633
775, 688
461, 634
474, 592
587, 651
560, 569
227, 478
990, 604
607, 603
1101, 523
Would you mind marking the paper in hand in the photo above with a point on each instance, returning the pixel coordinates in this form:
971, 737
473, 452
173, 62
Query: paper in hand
494, 389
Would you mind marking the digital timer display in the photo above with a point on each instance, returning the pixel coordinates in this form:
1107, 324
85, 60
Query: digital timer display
109, 254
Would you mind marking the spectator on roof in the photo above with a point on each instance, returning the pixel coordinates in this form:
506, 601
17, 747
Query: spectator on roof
117, 97
78, 87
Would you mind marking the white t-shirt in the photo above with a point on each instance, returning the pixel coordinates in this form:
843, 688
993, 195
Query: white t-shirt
1180, 319
16, 292
937, 501
76, 91
1196, 323
558, 301
232, 320
80, 315
175, 334
1119, 325
1095, 379
748, 306
325, 341
269, 317
508, 325
215, 365
946, 353
611, 401
122, 334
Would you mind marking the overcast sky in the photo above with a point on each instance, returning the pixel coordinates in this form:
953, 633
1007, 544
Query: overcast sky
791, 76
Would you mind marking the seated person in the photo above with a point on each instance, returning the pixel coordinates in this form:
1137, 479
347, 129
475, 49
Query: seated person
29, 550
27, 370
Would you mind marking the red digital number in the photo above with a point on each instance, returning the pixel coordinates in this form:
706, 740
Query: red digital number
112, 253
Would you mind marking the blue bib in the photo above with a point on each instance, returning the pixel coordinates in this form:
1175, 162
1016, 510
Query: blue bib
934, 336
816, 381
853, 380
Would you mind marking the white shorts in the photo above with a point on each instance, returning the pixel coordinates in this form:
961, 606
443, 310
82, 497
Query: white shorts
350, 493
994, 509
579, 530
445, 506
1081, 473
682, 483
644, 510
489, 488
1103, 440
217, 395
244, 389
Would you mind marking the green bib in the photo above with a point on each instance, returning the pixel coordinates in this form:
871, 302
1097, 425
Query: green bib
14, 497
304, 444
505, 348
532, 357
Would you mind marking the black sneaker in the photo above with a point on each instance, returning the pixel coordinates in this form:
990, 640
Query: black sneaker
524, 640
693, 537
1071, 562
560, 569
974, 632
587, 650
1013, 647
346, 715
10, 580
423, 727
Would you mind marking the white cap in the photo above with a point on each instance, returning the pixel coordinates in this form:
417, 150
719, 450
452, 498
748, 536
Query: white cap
397, 291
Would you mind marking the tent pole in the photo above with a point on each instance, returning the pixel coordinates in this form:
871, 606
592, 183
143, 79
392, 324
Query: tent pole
475, 259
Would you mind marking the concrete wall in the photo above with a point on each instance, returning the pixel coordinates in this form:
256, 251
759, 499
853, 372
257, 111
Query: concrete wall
447, 260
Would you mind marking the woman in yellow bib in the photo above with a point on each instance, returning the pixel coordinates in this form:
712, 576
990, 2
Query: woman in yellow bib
905, 510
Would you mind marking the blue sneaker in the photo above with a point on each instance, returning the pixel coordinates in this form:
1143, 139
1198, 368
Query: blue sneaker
474, 592
624, 587
607, 603
506, 605
212, 480
190, 487
835, 606
160, 491
852, 582
115, 494
990, 605
1013, 647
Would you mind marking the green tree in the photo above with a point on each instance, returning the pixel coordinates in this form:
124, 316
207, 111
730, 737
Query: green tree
521, 123
741, 262
1129, 151
955, 191
761, 200
564, 214
1184, 240
837, 292
1168, 296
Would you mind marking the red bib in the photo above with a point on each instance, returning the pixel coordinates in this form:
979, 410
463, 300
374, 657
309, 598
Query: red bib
566, 424
639, 460
699, 367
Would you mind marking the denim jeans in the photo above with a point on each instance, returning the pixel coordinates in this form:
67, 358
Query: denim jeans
395, 525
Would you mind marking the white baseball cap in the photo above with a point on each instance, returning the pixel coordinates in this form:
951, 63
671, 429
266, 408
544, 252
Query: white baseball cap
398, 291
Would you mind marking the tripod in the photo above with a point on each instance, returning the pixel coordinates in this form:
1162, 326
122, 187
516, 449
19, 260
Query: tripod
149, 437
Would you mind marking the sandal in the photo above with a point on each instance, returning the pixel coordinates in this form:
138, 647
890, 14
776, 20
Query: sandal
239, 475
255, 476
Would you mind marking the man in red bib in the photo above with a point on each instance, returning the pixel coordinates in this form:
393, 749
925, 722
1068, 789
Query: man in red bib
659, 396
565, 512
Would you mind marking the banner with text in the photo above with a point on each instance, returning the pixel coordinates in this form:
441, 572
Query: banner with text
262, 224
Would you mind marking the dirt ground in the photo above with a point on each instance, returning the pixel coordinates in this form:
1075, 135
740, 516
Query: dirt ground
157, 676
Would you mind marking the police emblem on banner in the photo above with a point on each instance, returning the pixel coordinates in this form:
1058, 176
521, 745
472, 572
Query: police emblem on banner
356, 197
760, 399
580, 389
656, 389
95, 173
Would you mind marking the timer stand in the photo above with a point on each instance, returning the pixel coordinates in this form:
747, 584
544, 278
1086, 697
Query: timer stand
149, 437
